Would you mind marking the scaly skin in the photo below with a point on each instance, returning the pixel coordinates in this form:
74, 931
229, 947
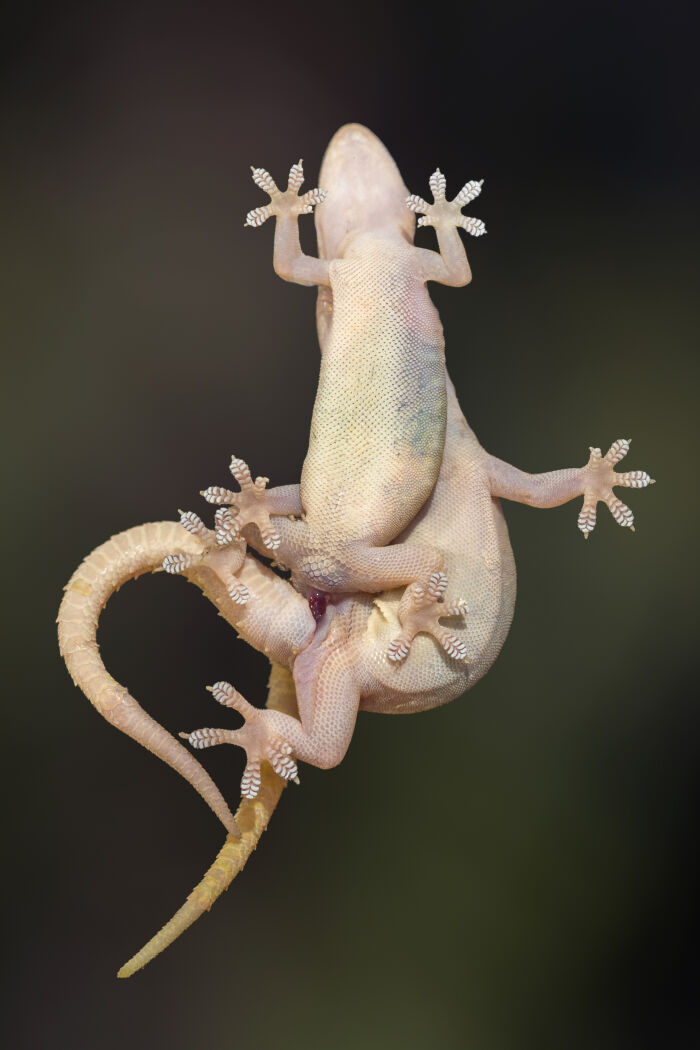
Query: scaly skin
377, 646
274, 619
252, 817
378, 425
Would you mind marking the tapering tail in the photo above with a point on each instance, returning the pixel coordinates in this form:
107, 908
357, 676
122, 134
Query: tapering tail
125, 556
252, 818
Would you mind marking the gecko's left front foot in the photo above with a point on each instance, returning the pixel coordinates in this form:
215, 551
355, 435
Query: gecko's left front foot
599, 480
283, 202
255, 737
421, 608
444, 212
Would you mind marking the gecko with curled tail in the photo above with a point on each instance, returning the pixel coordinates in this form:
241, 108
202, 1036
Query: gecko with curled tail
378, 647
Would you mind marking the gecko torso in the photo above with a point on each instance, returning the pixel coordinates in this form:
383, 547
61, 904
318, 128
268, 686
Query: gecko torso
378, 425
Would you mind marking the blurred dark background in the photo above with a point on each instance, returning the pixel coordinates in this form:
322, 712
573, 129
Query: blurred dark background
540, 890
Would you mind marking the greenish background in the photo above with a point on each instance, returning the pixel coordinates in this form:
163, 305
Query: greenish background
517, 869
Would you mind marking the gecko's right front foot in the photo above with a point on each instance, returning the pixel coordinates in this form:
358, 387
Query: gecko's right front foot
447, 213
288, 202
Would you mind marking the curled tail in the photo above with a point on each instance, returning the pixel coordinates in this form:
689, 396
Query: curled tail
125, 556
252, 819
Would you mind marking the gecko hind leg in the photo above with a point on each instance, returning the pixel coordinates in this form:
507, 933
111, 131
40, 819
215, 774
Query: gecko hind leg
420, 610
256, 737
255, 503
222, 549
595, 482
376, 569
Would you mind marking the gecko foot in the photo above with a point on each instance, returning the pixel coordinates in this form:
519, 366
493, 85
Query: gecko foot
421, 608
254, 737
447, 213
222, 548
288, 202
250, 504
599, 480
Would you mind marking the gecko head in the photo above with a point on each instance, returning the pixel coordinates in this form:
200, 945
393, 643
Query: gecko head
365, 191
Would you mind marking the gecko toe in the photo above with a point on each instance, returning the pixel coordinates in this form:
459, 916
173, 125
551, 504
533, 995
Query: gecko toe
420, 610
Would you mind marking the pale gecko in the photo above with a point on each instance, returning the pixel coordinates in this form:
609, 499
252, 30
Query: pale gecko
397, 500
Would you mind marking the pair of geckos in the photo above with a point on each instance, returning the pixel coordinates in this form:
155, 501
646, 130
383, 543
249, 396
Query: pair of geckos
396, 526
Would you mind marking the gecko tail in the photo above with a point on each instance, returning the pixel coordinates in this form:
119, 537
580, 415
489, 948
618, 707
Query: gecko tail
252, 818
125, 556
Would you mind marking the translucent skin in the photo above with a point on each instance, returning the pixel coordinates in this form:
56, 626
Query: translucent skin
345, 667
377, 471
378, 427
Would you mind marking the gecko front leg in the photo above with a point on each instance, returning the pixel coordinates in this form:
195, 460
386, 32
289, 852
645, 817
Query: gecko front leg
290, 263
595, 482
450, 265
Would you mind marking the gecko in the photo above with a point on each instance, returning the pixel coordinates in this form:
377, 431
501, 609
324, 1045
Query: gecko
378, 425
371, 641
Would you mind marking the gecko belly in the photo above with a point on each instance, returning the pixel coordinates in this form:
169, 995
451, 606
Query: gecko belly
378, 427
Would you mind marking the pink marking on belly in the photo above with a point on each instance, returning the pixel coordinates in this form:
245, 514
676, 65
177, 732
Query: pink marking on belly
318, 600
